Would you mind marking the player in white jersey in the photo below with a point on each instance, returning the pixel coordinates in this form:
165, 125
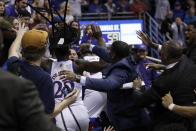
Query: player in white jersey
75, 116
95, 101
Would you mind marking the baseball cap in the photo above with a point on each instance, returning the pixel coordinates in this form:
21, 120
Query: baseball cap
35, 38
143, 47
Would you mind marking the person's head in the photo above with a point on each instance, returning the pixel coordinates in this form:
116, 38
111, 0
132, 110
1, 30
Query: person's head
142, 52
24, 16
191, 33
177, 5
191, 3
62, 6
72, 55
191, 12
171, 52
170, 15
109, 1
15, 24
21, 4
96, 2
88, 29
2, 8
38, 17
178, 21
118, 51
84, 52
33, 45
46, 4
75, 24
37, 3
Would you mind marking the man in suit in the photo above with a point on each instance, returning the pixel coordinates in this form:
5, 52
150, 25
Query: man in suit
179, 78
21, 108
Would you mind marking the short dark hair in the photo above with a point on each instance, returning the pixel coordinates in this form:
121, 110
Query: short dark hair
32, 53
16, 1
173, 49
24, 13
61, 52
120, 48
76, 22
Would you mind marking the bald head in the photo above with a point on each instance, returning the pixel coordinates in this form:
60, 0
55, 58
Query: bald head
171, 51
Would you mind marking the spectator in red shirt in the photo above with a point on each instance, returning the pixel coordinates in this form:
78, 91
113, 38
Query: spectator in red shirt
138, 7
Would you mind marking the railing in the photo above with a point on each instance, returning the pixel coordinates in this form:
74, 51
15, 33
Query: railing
152, 28
109, 16
153, 59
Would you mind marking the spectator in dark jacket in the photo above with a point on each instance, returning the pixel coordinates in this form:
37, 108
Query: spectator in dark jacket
109, 7
177, 11
179, 78
94, 7
166, 24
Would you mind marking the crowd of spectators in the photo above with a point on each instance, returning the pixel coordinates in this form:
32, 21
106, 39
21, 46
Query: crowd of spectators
94, 72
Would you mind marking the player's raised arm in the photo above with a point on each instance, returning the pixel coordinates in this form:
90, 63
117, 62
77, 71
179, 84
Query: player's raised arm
14, 48
147, 41
97, 34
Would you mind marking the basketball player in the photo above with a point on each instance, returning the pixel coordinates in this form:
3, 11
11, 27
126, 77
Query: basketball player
74, 117
95, 101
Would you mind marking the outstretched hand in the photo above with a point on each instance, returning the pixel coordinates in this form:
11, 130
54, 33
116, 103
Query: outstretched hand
145, 38
97, 33
21, 29
154, 66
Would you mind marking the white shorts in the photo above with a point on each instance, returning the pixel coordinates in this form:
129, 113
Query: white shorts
95, 102
81, 115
